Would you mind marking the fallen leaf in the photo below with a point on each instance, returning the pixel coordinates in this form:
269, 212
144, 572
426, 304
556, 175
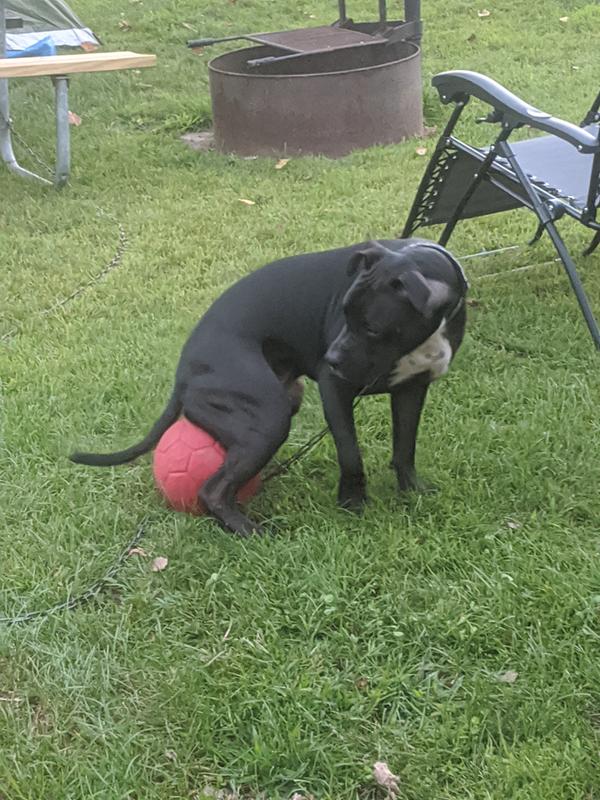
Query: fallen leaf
137, 551
563, 19
362, 683
281, 163
159, 563
386, 778
171, 755
246, 202
74, 119
189, 27
89, 47
484, 13
514, 526
421, 151
471, 38
124, 25
510, 676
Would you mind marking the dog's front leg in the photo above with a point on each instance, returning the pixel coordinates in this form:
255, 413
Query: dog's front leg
338, 397
407, 403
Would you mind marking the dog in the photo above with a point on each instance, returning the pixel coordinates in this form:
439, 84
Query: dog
377, 317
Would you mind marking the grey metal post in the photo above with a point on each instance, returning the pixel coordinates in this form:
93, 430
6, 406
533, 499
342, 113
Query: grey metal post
63, 143
412, 10
412, 13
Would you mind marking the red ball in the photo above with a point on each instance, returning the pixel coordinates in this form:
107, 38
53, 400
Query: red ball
185, 457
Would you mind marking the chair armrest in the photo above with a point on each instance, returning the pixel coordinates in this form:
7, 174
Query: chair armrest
461, 84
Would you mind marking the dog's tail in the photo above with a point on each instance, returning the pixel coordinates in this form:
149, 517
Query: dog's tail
166, 419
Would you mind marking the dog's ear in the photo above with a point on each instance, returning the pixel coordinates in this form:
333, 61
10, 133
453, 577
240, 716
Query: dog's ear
425, 294
364, 259
417, 289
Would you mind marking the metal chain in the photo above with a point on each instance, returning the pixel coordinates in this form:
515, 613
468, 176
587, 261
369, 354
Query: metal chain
8, 123
88, 594
284, 466
277, 470
115, 262
30, 152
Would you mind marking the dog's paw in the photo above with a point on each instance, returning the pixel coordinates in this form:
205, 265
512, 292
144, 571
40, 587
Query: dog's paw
236, 523
409, 481
352, 493
252, 529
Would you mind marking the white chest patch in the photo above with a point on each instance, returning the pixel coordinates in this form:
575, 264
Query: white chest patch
432, 356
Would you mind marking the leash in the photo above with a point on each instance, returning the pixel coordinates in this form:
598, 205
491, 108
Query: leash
314, 440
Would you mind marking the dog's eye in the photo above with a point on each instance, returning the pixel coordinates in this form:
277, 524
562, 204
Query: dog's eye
397, 284
372, 333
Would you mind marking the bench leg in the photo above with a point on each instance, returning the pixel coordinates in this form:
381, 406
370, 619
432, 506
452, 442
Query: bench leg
6, 149
63, 142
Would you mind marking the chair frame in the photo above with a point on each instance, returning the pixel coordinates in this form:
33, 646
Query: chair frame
499, 165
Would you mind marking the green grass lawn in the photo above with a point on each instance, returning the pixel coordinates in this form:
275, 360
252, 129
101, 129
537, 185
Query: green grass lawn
293, 662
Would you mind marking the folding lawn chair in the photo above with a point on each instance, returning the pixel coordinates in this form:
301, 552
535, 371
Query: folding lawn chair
552, 175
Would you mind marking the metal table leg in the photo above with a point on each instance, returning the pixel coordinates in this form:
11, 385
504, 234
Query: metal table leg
63, 143
6, 149
62, 120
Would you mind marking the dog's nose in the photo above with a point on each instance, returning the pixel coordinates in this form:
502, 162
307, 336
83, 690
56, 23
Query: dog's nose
334, 362
332, 359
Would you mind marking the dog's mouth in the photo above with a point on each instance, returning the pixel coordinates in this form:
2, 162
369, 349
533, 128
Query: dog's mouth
338, 373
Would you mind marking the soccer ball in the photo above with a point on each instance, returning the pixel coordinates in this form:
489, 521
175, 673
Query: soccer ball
185, 457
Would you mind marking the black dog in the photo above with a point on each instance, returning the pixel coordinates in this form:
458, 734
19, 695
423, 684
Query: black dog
376, 317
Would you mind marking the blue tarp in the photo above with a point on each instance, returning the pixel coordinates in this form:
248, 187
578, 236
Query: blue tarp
45, 47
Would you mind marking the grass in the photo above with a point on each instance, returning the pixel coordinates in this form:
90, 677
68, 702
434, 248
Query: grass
292, 663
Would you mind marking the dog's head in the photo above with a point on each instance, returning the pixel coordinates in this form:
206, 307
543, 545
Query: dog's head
397, 300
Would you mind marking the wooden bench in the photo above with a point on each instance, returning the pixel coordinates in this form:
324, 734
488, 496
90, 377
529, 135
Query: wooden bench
67, 65
59, 68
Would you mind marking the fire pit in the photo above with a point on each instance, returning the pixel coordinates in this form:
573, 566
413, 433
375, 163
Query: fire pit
326, 90
326, 103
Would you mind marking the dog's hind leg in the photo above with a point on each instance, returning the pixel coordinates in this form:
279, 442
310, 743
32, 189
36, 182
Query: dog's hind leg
245, 458
251, 426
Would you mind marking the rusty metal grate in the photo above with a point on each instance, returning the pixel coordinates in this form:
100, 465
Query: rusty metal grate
311, 40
